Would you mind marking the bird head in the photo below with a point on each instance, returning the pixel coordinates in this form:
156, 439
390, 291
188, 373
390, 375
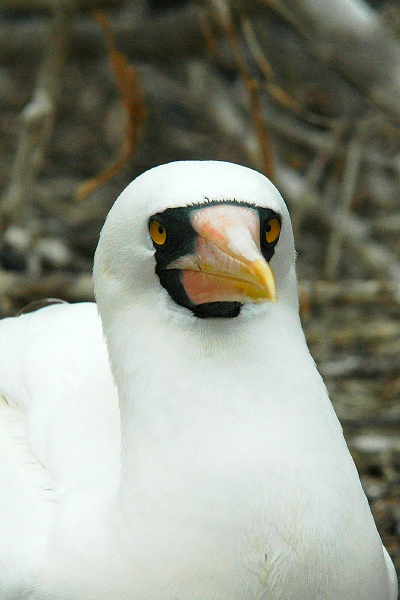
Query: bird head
208, 237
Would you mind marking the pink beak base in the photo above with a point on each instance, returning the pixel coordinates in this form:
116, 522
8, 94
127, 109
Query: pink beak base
227, 265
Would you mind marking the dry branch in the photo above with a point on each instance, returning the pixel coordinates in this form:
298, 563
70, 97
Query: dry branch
387, 421
354, 156
313, 175
366, 333
387, 224
351, 37
371, 291
358, 366
37, 118
19, 287
49, 5
127, 79
173, 35
355, 232
223, 15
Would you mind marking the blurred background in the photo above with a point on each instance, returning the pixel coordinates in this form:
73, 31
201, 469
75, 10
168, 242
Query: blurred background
94, 92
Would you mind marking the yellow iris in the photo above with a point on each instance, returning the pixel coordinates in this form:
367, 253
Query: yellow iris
272, 231
158, 233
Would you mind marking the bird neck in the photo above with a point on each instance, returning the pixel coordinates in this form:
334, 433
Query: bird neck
181, 379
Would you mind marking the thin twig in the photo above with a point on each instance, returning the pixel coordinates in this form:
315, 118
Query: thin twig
222, 11
354, 158
352, 38
19, 287
256, 50
49, 5
127, 79
168, 36
355, 232
313, 176
270, 84
370, 291
37, 119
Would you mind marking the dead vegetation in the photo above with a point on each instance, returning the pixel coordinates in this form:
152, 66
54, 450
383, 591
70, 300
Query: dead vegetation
306, 91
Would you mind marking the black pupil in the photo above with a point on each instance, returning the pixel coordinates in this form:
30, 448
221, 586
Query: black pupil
268, 227
160, 229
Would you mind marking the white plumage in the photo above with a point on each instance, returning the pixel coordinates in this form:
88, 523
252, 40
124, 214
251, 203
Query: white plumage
217, 471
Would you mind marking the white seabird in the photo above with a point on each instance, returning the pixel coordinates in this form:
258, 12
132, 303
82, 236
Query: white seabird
215, 468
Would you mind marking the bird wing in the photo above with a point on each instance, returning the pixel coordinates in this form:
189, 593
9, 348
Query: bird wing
59, 425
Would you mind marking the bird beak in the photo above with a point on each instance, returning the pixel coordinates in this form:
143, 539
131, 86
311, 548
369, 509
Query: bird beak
227, 264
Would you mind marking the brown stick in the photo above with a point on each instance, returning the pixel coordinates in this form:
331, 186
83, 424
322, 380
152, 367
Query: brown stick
37, 118
222, 11
132, 98
355, 232
173, 35
351, 37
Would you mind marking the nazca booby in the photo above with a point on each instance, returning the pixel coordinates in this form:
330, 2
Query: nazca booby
215, 468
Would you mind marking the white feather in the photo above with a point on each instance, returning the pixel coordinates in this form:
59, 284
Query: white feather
230, 479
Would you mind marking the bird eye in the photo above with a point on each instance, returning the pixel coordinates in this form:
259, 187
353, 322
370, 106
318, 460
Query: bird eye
272, 230
158, 233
